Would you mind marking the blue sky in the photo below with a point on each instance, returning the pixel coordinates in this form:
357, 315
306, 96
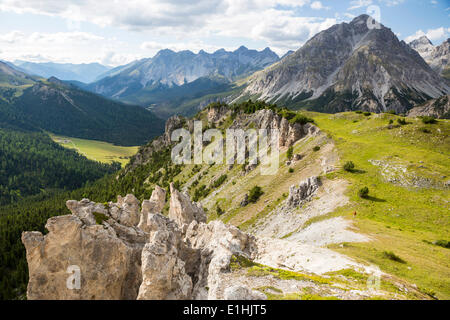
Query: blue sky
117, 32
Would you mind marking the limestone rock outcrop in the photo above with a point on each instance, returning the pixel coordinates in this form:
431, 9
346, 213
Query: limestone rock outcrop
303, 192
108, 266
182, 210
243, 293
163, 271
127, 251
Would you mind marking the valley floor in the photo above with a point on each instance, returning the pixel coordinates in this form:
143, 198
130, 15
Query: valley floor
97, 150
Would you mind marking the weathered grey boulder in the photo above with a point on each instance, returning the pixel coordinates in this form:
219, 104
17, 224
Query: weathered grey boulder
239, 292
217, 243
244, 201
303, 192
154, 205
182, 210
163, 271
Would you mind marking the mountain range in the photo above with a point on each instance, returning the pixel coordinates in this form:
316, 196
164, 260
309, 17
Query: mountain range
170, 78
85, 72
33, 103
171, 68
350, 67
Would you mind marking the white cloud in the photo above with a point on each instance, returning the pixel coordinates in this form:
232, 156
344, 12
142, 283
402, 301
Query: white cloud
145, 14
356, 4
432, 34
317, 5
273, 23
391, 3
59, 47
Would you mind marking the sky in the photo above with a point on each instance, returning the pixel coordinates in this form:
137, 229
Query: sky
116, 32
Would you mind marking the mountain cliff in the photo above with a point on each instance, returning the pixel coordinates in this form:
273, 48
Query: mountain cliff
350, 66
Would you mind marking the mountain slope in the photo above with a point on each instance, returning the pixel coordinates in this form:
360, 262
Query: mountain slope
350, 66
63, 109
85, 72
437, 57
32, 162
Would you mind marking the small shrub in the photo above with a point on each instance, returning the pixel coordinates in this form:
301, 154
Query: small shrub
349, 166
290, 152
219, 181
428, 292
391, 121
392, 256
367, 113
316, 148
219, 210
254, 194
442, 243
391, 112
363, 192
402, 121
291, 170
301, 119
428, 120
425, 130
358, 111
100, 217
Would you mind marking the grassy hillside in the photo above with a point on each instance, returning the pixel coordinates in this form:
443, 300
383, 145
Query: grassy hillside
97, 150
406, 211
68, 111
405, 168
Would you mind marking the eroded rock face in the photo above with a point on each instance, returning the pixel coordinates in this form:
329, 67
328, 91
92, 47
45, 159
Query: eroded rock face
182, 210
216, 114
175, 257
304, 191
154, 205
163, 271
217, 243
437, 108
109, 266
289, 133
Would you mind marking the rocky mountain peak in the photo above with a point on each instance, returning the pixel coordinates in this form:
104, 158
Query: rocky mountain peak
423, 40
350, 66
438, 57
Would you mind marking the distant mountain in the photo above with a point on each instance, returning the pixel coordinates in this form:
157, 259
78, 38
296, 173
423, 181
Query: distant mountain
11, 76
350, 66
65, 71
437, 57
169, 68
186, 99
55, 106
